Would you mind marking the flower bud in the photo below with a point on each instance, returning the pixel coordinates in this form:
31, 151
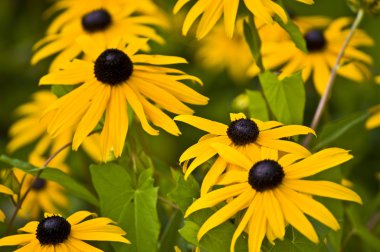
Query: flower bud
369, 6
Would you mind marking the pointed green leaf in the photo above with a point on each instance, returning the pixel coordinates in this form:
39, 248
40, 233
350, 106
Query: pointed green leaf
286, 98
131, 203
254, 42
257, 106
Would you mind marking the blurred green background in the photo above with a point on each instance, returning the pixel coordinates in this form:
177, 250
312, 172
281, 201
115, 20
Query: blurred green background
22, 24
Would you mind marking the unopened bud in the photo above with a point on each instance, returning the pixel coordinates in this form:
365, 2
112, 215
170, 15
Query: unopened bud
369, 6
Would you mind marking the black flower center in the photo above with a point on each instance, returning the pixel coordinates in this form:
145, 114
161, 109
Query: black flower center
265, 175
315, 40
97, 20
39, 184
243, 131
113, 67
53, 230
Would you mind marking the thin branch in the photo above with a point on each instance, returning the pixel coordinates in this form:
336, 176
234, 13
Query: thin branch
168, 202
323, 102
22, 199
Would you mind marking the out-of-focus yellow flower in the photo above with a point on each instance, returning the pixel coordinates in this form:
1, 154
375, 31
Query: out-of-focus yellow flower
31, 128
323, 44
57, 234
210, 11
4, 190
374, 120
218, 52
104, 21
272, 192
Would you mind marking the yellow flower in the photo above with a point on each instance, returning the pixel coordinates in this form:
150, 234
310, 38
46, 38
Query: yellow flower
218, 52
243, 134
323, 44
377, 79
44, 196
4, 190
30, 118
274, 193
57, 234
104, 21
110, 79
212, 10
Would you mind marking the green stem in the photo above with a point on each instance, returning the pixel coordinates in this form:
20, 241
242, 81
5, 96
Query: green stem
323, 102
22, 199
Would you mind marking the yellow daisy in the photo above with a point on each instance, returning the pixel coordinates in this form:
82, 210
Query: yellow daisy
212, 10
374, 120
274, 193
104, 21
218, 52
4, 190
324, 45
243, 134
44, 196
57, 234
110, 79
30, 115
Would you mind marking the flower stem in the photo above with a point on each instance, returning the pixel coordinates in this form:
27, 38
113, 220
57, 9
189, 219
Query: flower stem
326, 95
22, 199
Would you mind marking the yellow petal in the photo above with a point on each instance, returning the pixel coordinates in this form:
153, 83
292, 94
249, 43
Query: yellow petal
226, 212
286, 131
217, 196
204, 124
324, 189
317, 162
232, 156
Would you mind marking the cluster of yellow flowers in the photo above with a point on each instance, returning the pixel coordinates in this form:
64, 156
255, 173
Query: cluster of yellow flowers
103, 55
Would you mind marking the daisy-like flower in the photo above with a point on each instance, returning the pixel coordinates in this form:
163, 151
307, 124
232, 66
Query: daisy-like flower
30, 115
324, 45
110, 79
243, 134
374, 120
4, 190
55, 233
274, 193
212, 10
44, 196
104, 21
218, 52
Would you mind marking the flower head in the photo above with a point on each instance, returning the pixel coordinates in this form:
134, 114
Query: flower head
55, 233
243, 134
212, 10
109, 79
323, 44
4, 190
272, 192
104, 21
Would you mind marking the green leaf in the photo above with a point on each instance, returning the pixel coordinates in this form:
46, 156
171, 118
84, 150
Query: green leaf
55, 175
61, 90
217, 239
185, 191
169, 237
254, 42
286, 98
336, 129
257, 105
294, 32
130, 202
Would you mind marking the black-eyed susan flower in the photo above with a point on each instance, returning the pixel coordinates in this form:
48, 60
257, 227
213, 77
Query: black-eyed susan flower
272, 192
211, 11
243, 134
4, 190
110, 79
104, 21
44, 195
324, 44
374, 120
55, 233
218, 52
30, 115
